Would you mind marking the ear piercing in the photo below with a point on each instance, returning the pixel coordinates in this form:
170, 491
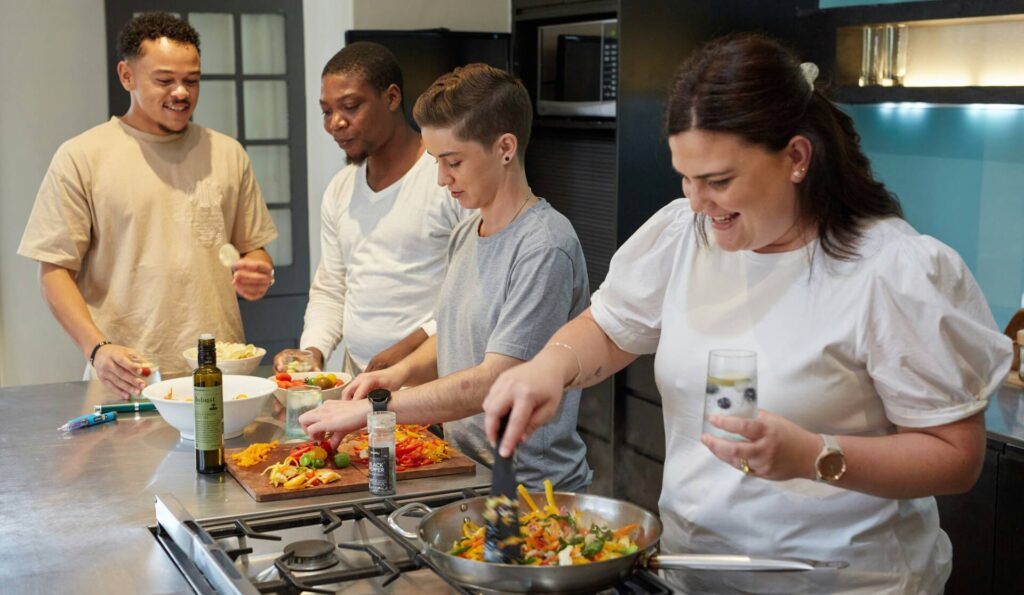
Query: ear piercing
798, 173
507, 159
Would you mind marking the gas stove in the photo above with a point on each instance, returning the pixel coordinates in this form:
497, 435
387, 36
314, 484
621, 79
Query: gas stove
339, 548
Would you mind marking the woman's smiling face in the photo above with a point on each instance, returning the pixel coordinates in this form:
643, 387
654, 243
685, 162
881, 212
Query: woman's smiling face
748, 192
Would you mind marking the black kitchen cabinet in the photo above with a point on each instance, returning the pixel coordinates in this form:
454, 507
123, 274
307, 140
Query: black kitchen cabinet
986, 526
1008, 551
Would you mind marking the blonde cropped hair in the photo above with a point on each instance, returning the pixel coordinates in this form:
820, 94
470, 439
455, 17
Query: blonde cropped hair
480, 103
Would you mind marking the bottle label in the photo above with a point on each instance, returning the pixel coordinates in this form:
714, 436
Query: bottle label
381, 471
209, 408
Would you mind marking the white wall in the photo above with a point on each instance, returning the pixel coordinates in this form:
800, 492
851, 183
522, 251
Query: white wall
458, 15
54, 72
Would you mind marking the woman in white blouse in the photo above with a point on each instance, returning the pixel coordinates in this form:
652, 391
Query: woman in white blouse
876, 349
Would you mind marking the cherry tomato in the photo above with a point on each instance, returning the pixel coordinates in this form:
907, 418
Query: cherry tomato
145, 372
285, 376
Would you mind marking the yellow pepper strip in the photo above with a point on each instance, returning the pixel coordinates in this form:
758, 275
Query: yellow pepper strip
549, 491
527, 498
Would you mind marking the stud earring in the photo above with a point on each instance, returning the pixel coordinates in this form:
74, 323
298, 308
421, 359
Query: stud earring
507, 159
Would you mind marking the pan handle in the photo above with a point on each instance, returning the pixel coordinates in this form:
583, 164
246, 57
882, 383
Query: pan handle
735, 563
404, 510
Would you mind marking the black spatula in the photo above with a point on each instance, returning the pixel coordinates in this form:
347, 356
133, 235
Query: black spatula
502, 539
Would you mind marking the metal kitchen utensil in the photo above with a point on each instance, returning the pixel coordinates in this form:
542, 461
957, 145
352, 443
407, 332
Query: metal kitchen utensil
502, 540
441, 527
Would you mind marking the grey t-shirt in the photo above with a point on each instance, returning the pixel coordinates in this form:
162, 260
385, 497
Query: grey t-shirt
507, 294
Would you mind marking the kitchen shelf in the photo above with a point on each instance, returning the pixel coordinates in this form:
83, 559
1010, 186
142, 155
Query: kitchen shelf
944, 95
820, 28
913, 11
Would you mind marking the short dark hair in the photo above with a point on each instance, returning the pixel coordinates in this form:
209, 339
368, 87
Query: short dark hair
480, 102
153, 25
372, 61
754, 87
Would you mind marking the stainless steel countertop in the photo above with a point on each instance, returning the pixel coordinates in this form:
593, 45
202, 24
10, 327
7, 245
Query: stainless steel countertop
74, 508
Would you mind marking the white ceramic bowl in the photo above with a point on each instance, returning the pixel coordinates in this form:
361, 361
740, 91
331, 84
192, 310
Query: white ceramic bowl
238, 413
331, 393
227, 366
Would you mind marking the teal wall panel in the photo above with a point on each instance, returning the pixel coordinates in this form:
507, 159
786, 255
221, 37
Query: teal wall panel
959, 173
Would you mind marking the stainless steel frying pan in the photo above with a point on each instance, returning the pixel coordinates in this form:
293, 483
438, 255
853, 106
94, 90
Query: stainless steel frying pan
440, 528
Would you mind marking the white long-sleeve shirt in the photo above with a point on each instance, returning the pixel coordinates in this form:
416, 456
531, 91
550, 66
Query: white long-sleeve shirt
382, 260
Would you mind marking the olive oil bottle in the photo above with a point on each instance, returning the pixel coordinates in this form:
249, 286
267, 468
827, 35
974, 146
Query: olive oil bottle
208, 403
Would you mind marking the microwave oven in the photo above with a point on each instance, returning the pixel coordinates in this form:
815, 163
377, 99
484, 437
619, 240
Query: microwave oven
578, 69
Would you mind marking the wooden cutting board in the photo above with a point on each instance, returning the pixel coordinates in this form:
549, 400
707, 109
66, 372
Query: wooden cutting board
353, 477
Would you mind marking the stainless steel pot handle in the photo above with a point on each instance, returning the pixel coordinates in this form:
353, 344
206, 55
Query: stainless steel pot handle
728, 562
404, 510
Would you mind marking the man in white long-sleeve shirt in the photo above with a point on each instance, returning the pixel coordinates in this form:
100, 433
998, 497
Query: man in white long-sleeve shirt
385, 221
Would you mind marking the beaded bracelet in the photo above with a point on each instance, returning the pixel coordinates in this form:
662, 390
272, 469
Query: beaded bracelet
92, 356
579, 364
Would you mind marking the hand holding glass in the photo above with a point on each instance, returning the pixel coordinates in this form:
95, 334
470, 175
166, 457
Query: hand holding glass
731, 388
296, 360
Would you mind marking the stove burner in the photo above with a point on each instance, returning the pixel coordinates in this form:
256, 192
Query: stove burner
311, 554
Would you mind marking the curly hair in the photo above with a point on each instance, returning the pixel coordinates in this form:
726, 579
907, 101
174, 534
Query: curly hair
372, 61
153, 25
752, 86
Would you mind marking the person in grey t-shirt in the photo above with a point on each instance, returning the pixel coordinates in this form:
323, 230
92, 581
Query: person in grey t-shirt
516, 274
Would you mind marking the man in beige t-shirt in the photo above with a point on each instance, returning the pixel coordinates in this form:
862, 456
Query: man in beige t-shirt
131, 215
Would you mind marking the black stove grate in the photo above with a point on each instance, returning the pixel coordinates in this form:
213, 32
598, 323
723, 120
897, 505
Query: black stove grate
331, 517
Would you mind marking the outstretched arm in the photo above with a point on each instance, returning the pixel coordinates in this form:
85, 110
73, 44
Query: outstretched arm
580, 354
455, 396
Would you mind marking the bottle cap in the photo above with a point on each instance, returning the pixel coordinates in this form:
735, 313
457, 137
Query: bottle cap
206, 337
380, 420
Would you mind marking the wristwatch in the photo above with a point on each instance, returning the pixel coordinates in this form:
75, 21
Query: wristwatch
379, 398
830, 466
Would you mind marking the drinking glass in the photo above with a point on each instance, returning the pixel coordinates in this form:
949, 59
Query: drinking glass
149, 371
297, 401
297, 360
731, 388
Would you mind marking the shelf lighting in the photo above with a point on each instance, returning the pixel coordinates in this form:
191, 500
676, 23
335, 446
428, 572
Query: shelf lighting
972, 52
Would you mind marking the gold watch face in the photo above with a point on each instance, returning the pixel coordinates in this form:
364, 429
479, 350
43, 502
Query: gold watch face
832, 466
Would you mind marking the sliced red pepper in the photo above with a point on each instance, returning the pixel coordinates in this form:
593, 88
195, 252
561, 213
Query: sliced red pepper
300, 450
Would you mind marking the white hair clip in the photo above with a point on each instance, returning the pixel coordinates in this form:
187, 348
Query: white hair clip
810, 72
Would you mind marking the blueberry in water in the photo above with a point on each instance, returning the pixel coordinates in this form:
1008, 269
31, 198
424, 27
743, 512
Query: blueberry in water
750, 394
711, 389
724, 403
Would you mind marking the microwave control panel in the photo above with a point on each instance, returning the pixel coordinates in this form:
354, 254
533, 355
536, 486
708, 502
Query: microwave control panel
610, 70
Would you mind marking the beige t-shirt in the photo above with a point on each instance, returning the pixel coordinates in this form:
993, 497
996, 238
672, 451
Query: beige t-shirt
141, 217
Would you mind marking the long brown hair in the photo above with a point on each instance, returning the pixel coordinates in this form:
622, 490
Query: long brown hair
751, 86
